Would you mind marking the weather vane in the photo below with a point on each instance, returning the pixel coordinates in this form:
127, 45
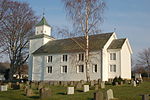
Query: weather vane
114, 29
43, 12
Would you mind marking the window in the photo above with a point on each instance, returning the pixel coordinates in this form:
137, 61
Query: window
64, 59
64, 69
81, 57
80, 69
95, 68
49, 59
49, 69
112, 68
112, 56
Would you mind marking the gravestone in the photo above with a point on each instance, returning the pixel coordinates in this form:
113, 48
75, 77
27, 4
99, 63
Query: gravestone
40, 86
9, 85
3, 87
16, 86
99, 81
55, 83
102, 84
86, 88
51, 83
92, 83
145, 96
25, 89
71, 83
70, 90
116, 83
29, 92
28, 82
33, 85
134, 83
45, 93
65, 83
82, 82
96, 87
109, 95
79, 85
121, 83
98, 95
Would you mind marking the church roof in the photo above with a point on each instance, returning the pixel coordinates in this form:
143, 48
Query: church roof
117, 43
70, 45
40, 36
43, 22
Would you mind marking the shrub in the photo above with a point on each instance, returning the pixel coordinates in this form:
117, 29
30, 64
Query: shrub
117, 79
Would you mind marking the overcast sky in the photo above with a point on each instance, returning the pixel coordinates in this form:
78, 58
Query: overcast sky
131, 18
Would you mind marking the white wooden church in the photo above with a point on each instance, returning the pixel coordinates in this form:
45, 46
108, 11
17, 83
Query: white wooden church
53, 59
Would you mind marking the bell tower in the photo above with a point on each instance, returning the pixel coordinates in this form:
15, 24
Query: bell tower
43, 27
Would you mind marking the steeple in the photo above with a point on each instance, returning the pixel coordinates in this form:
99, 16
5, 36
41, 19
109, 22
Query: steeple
43, 22
43, 27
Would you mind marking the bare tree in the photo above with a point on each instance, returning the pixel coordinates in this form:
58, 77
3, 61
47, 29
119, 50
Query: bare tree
86, 16
15, 29
144, 60
3, 8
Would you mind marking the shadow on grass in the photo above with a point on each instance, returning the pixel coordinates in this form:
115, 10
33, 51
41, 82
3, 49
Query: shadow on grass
61, 93
90, 99
35, 97
79, 90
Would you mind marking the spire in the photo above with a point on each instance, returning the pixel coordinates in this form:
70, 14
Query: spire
43, 21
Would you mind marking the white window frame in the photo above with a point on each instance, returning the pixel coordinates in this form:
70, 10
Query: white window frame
95, 68
113, 68
49, 59
79, 69
81, 57
113, 56
64, 69
64, 58
49, 69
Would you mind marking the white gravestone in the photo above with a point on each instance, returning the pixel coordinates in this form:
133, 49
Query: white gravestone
134, 83
3, 88
70, 90
86, 88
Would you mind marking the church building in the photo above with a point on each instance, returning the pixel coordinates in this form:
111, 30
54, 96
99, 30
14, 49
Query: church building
53, 59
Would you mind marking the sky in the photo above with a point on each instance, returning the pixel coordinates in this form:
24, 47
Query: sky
131, 18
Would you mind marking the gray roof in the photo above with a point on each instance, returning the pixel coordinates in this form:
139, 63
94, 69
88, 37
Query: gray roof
70, 45
40, 36
117, 43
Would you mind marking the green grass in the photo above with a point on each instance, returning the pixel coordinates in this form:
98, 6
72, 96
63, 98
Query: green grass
124, 92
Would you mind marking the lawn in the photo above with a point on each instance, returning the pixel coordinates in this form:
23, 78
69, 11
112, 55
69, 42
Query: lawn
124, 92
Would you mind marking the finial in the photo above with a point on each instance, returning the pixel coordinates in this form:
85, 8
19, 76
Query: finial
114, 29
43, 12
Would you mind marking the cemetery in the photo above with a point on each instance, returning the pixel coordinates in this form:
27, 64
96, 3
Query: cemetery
73, 90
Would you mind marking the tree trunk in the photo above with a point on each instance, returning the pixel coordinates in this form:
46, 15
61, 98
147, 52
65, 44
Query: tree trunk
87, 43
11, 72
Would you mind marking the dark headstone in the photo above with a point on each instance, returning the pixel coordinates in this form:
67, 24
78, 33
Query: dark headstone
145, 96
65, 83
45, 93
82, 82
92, 83
9, 85
56, 83
99, 81
71, 83
16, 86
96, 87
79, 85
98, 95
29, 92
